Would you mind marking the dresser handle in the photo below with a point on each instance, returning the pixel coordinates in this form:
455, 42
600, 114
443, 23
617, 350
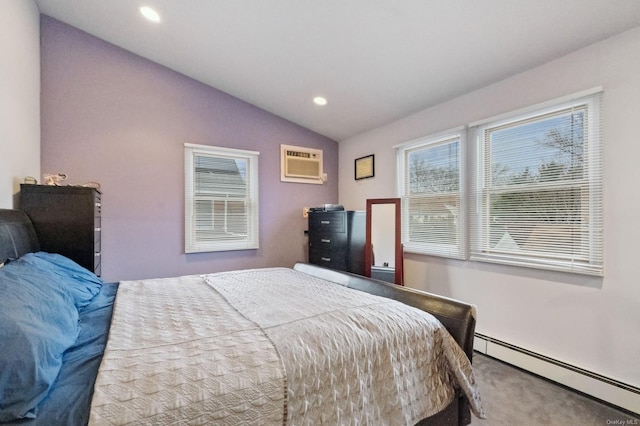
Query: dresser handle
324, 240
326, 259
97, 254
325, 222
97, 229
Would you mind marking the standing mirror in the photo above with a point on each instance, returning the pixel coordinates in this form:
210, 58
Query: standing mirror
383, 246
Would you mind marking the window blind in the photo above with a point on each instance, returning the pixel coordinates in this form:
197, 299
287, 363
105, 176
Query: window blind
537, 188
431, 183
221, 199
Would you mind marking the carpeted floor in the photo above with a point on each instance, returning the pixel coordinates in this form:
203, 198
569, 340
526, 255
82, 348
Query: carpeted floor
513, 397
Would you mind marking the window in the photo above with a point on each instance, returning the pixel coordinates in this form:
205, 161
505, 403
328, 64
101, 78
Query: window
538, 188
221, 199
430, 173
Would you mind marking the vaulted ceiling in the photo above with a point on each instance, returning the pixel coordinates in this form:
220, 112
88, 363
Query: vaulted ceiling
375, 61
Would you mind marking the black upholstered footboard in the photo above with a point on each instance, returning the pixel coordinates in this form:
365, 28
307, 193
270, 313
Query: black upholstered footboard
459, 319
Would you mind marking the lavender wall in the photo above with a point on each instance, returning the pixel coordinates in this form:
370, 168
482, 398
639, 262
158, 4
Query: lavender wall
113, 117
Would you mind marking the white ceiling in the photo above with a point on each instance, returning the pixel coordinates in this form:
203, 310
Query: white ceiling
374, 60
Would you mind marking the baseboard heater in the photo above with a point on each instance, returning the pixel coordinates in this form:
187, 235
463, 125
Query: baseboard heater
601, 387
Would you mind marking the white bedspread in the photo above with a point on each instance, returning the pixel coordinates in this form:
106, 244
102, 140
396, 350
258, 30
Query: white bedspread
272, 346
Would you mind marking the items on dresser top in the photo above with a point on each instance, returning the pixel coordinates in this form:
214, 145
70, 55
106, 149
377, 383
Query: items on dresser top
327, 208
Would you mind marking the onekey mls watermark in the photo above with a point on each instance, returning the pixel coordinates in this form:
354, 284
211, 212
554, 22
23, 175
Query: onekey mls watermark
625, 422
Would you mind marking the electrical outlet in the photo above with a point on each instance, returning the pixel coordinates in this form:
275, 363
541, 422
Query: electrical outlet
305, 212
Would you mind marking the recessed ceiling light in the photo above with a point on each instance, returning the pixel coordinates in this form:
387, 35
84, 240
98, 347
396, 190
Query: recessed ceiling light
150, 14
319, 100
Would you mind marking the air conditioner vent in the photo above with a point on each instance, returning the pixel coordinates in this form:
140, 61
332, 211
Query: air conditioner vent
301, 165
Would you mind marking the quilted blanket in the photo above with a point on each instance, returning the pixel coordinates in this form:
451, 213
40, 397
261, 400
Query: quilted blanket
272, 346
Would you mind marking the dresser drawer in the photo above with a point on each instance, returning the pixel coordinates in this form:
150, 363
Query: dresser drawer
97, 243
97, 205
327, 222
328, 241
329, 259
97, 263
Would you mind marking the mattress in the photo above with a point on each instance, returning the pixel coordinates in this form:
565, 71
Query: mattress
273, 346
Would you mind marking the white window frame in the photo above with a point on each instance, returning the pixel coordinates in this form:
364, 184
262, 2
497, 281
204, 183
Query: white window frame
590, 263
196, 244
459, 249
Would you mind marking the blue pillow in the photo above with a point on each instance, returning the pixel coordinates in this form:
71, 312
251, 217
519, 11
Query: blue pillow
82, 284
38, 322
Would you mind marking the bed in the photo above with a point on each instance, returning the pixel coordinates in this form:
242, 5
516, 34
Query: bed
305, 345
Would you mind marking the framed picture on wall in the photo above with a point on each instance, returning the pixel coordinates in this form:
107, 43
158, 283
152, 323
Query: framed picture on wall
364, 167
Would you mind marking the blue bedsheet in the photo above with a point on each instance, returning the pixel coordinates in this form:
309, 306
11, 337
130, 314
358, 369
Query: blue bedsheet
69, 400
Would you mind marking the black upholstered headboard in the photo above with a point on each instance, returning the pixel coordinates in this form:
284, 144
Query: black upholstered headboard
17, 235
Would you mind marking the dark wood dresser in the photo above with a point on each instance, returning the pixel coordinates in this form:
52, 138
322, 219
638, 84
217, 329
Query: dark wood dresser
66, 220
336, 240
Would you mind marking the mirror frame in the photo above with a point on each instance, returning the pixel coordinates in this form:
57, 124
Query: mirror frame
368, 252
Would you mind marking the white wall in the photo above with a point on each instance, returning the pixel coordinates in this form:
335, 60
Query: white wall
587, 322
19, 96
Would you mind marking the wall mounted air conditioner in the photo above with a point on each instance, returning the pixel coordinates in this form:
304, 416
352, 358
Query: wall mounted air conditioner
301, 165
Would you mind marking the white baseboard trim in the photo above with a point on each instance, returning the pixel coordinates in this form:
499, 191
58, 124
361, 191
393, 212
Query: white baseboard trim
609, 390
